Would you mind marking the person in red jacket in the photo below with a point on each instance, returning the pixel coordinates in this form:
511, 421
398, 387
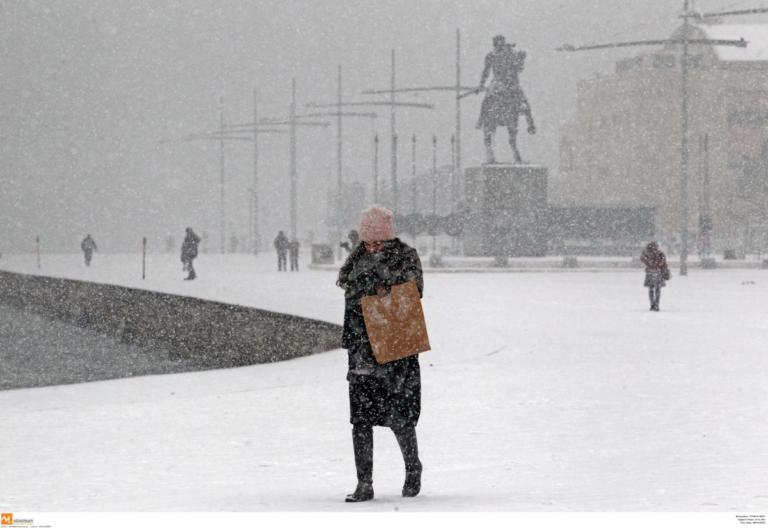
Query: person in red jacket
656, 273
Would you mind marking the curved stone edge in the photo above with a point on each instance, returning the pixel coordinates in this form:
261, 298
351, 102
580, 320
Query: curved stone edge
212, 334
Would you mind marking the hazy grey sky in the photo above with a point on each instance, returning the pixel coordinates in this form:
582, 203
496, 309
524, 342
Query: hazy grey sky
89, 87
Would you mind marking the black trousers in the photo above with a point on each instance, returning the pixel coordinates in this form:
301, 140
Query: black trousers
281, 262
362, 443
654, 295
190, 268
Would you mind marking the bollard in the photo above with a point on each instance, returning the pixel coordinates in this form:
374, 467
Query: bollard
570, 261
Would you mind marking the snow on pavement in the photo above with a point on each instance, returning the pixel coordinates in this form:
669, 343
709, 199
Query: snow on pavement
544, 392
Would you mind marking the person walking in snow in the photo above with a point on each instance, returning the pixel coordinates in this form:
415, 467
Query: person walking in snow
387, 395
189, 252
354, 240
88, 245
656, 273
281, 246
293, 250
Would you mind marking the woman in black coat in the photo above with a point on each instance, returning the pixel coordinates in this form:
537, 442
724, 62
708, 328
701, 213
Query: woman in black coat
656, 273
387, 395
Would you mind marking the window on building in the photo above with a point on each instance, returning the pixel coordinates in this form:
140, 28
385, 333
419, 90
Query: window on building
629, 64
664, 61
748, 118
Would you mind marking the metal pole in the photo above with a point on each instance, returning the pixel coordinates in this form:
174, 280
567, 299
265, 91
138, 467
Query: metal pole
413, 173
376, 168
393, 134
143, 258
338, 159
293, 157
454, 174
37, 245
684, 150
222, 214
707, 242
394, 174
434, 187
457, 162
256, 240
415, 188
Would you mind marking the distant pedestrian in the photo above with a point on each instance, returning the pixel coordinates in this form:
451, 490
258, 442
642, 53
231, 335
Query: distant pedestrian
293, 249
189, 252
656, 273
281, 246
354, 240
88, 245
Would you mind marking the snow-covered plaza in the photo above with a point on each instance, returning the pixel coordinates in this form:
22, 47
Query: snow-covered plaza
543, 392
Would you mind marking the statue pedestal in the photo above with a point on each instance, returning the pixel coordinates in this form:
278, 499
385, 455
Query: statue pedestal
507, 210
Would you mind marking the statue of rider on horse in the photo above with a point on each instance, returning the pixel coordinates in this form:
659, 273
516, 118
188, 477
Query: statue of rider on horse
504, 99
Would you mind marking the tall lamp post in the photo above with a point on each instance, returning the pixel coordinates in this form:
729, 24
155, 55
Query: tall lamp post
221, 135
456, 88
685, 41
293, 122
379, 103
340, 115
239, 132
257, 130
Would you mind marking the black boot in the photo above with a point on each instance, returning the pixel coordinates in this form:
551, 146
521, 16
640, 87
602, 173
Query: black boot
362, 443
363, 492
412, 485
409, 447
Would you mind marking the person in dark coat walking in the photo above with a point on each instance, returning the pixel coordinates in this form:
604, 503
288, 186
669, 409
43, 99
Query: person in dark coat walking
189, 252
387, 395
293, 249
354, 240
281, 245
88, 245
656, 273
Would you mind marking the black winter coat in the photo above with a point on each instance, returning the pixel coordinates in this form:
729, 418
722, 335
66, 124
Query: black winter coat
189, 246
389, 394
363, 272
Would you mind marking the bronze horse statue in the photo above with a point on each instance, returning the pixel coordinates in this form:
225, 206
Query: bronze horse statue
504, 100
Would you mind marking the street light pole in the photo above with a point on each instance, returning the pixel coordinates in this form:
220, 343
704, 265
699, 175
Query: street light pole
391, 104
222, 212
684, 146
457, 159
375, 168
292, 149
415, 185
434, 188
255, 235
458, 90
393, 135
413, 176
339, 154
705, 219
454, 174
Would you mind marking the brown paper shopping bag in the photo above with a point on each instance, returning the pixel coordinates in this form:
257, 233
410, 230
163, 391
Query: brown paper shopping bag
395, 323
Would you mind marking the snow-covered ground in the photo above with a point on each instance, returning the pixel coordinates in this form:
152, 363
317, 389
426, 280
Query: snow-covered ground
543, 392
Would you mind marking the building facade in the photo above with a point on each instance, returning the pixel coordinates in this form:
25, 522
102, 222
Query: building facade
624, 146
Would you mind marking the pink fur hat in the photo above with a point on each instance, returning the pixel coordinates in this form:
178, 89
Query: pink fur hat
376, 224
